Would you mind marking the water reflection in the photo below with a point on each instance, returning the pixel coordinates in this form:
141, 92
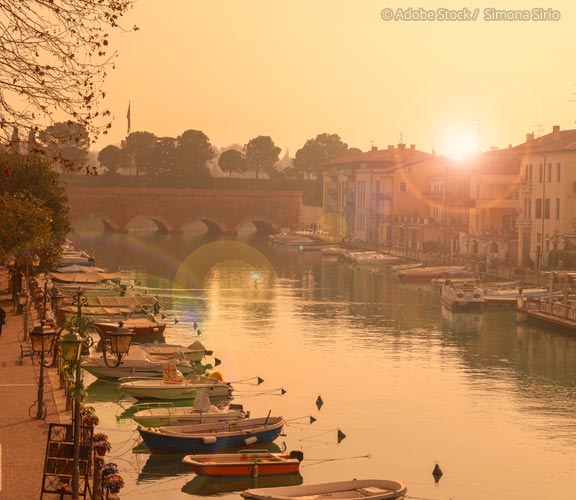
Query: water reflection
206, 485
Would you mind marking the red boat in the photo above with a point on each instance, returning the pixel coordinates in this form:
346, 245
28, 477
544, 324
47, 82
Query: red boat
252, 463
142, 327
427, 274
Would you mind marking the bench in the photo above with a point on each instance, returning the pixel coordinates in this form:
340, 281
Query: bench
25, 349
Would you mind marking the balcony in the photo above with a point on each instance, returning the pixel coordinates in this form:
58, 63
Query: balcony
523, 222
525, 187
433, 195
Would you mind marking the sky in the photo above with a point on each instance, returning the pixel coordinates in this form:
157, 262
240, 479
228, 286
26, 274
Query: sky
293, 69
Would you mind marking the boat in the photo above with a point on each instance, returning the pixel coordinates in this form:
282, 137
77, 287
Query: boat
172, 387
161, 414
255, 463
215, 485
146, 360
427, 274
333, 251
510, 296
405, 267
140, 326
462, 295
213, 436
371, 489
374, 259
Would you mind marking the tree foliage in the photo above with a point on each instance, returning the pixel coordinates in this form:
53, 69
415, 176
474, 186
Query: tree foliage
261, 153
311, 157
113, 158
66, 145
54, 58
136, 146
232, 160
193, 152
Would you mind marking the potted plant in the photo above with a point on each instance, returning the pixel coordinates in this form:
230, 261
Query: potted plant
89, 417
111, 480
101, 443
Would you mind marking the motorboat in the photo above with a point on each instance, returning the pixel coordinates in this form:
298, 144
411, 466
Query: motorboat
162, 414
213, 436
365, 489
174, 387
145, 326
247, 462
427, 274
462, 295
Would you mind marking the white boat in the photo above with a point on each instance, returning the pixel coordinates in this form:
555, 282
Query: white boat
511, 295
154, 415
462, 295
365, 489
145, 360
175, 387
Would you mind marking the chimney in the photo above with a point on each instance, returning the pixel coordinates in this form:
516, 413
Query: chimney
390, 146
529, 137
374, 148
401, 146
412, 146
556, 132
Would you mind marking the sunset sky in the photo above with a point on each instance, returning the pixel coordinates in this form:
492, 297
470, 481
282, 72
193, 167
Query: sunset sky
294, 68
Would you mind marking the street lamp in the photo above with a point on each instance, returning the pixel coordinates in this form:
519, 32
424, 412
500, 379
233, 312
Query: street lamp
42, 338
71, 348
119, 344
23, 307
57, 299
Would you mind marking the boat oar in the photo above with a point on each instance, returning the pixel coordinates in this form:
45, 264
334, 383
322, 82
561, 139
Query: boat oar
267, 417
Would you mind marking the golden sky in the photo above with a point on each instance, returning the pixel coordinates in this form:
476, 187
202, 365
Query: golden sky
294, 68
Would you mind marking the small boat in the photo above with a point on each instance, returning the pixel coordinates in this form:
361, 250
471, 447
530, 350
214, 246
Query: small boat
213, 436
146, 360
427, 274
141, 327
462, 295
331, 250
510, 296
255, 463
174, 387
158, 414
405, 267
216, 485
371, 489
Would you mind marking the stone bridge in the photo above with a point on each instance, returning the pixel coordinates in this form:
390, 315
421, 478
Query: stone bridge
113, 208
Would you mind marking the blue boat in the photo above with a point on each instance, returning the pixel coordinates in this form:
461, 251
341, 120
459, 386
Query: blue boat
212, 437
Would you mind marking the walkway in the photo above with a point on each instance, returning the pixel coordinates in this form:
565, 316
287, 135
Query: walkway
22, 438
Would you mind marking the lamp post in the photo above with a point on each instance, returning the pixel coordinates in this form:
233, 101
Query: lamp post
22, 305
56, 300
42, 338
119, 344
71, 348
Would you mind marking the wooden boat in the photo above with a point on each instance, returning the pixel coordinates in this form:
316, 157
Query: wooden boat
161, 414
462, 295
333, 251
427, 274
184, 388
405, 267
253, 463
213, 436
371, 489
147, 360
141, 327
216, 485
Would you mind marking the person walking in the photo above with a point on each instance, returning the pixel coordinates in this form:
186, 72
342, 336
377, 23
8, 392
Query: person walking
2, 318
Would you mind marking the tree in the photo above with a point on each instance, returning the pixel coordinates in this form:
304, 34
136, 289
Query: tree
135, 146
232, 160
261, 152
66, 145
158, 158
32, 174
113, 158
54, 58
310, 159
193, 152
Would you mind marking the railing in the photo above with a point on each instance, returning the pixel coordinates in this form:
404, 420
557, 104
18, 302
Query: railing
554, 308
523, 223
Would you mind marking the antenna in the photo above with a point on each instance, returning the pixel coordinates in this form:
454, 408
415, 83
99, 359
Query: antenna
400, 137
539, 128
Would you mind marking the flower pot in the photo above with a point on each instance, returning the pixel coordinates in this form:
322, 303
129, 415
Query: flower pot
100, 451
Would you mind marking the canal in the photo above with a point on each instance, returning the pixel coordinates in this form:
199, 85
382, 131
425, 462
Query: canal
488, 397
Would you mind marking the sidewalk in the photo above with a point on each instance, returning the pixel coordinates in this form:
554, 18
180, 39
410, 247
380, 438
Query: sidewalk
22, 438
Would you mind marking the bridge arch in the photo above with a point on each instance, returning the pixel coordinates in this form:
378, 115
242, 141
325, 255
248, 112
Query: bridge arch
264, 225
161, 224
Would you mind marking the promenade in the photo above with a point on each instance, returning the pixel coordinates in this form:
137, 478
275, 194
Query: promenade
23, 438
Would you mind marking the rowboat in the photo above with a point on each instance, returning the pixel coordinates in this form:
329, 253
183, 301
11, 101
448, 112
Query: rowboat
253, 463
185, 388
216, 485
371, 489
154, 415
213, 436
142, 327
427, 274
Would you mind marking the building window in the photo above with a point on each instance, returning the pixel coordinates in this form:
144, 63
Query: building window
540, 173
403, 187
557, 208
549, 172
538, 208
530, 170
547, 208
558, 172
539, 238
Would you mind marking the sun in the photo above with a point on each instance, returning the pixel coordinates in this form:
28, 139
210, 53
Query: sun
459, 143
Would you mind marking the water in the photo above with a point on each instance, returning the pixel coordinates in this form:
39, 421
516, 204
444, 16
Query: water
487, 396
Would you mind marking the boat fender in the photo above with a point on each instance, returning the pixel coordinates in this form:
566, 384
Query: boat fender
250, 440
209, 439
255, 470
298, 455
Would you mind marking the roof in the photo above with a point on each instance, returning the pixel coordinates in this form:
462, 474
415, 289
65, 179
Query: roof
393, 157
557, 140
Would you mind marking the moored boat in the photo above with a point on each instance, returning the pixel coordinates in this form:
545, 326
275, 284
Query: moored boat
462, 295
371, 489
248, 462
166, 388
141, 327
213, 436
427, 274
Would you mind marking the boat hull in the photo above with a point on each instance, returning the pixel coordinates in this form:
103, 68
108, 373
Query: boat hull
242, 464
176, 392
